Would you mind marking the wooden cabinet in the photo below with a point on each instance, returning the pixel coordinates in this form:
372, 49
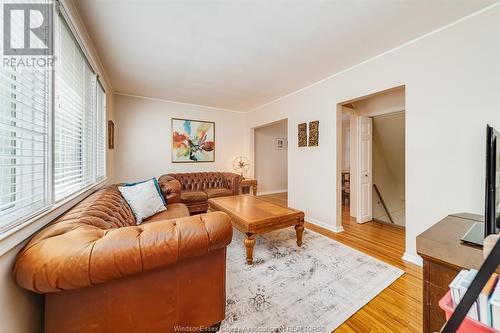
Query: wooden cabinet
444, 256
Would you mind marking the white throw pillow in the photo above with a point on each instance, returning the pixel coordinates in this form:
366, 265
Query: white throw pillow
143, 199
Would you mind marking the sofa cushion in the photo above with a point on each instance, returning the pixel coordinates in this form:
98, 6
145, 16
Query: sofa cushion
218, 192
170, 188
174, 211
193, 196
143, 199
155, 181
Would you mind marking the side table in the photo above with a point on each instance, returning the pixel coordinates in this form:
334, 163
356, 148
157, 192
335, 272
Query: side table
248, 183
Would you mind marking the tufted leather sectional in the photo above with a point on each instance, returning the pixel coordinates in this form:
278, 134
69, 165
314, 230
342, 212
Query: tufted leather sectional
198, 187
100, 272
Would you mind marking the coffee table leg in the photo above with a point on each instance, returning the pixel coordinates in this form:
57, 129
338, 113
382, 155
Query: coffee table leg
249, 244
299, 230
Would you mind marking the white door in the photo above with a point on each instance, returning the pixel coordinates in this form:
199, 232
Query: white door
364, 183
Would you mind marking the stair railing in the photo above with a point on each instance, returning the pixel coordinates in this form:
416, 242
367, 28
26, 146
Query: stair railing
383, 203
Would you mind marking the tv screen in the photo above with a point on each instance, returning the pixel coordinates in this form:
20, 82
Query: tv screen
492, 215
497, 181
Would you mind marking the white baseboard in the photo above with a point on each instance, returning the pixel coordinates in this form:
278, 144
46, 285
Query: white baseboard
414, 259
271, 192
324, 225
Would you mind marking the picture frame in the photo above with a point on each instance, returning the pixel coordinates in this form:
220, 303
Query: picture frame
281, 143
111, 134
193, 141
302, 134
314, 133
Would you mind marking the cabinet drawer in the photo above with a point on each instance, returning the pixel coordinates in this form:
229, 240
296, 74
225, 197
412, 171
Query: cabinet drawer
440, 275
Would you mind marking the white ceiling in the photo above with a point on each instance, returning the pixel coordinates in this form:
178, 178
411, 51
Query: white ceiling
241, 54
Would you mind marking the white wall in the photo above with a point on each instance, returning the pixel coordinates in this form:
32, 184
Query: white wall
270, 162
382, 103
143, 137
110, 115
452, 79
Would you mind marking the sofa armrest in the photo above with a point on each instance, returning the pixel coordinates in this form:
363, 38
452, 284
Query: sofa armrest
233, 181
170, 188
85, 255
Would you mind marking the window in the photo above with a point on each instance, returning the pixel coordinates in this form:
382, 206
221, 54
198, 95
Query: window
74, 117
23, 142
49, 151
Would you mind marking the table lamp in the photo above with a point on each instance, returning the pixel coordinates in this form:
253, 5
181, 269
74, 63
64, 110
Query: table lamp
241, 165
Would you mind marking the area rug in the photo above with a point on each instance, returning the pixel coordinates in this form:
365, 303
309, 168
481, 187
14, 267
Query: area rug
313, 288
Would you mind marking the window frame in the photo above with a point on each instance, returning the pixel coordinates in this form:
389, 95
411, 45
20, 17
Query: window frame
14, 232
103, 114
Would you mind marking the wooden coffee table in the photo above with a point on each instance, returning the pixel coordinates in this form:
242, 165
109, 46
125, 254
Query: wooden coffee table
253, 216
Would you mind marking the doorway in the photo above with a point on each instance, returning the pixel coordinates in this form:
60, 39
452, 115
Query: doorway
388, 198
271, 158
372, 176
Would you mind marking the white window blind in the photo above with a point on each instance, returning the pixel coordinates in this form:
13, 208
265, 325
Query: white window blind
75, 117
24, 112
101, 133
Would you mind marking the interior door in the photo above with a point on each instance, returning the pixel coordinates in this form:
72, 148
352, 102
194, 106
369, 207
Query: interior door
364, 183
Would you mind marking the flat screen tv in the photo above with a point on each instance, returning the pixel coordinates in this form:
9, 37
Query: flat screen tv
476, 234
492, 210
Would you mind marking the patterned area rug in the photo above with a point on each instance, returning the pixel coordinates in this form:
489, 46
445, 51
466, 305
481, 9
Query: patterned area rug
314, 288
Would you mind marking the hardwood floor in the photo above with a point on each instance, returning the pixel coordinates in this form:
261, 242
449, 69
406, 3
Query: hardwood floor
399, 307
278, 198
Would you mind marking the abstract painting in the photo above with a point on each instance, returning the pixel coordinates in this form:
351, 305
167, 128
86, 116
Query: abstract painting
302, 135
314, 133
193, 141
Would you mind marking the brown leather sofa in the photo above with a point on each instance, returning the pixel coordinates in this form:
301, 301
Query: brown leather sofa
198, 187
100, 272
